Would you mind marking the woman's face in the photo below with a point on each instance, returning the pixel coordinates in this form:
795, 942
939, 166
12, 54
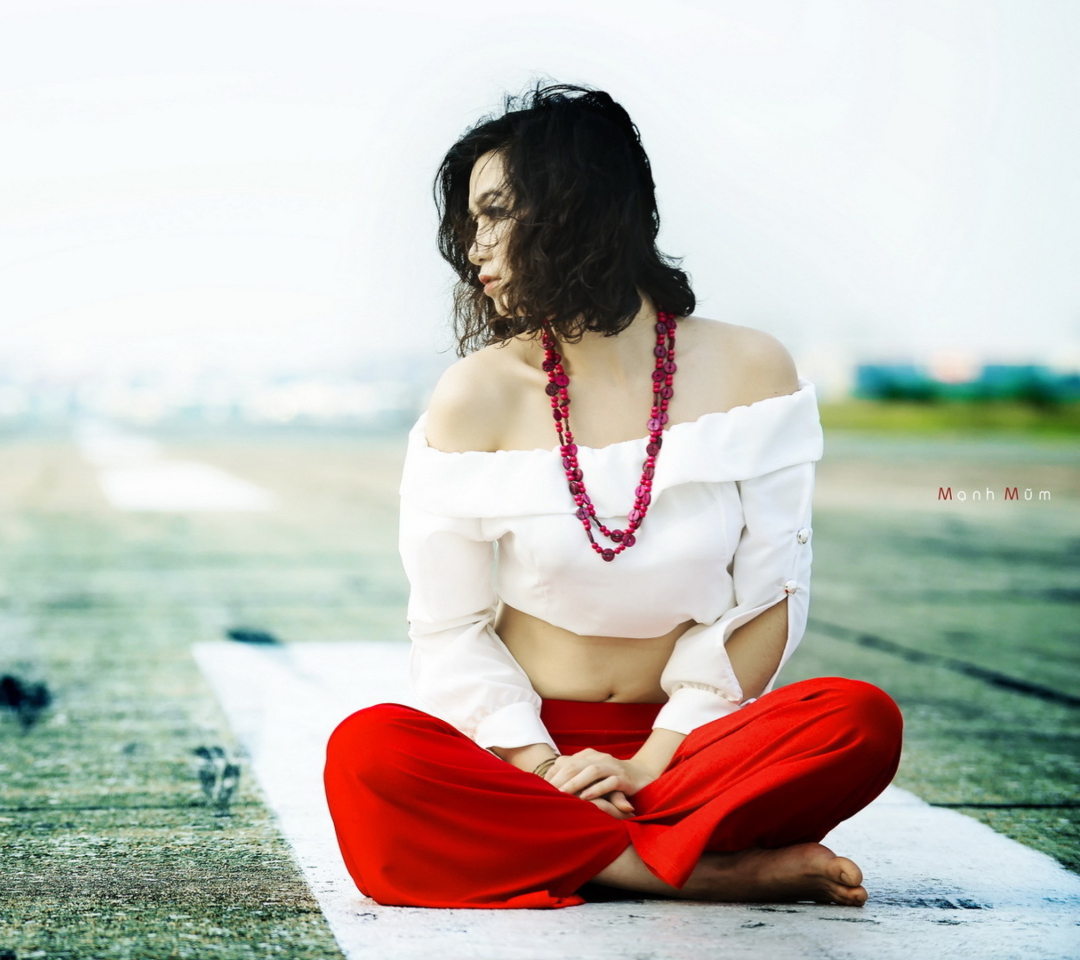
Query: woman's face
489, 206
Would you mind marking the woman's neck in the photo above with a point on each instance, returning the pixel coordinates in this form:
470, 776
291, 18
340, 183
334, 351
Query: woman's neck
624, 358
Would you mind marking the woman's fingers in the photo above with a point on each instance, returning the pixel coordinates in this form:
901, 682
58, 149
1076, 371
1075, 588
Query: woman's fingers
593, 775
566, 767
564, 774
609, 808
600, 788
620, 800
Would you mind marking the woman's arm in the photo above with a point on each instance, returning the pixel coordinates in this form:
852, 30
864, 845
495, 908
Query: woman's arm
459, 668
754, 650
714, 668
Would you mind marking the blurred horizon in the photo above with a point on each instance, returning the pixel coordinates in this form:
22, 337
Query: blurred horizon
241, 192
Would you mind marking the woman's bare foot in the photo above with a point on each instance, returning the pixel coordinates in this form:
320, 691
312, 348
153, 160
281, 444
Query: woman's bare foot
803, 871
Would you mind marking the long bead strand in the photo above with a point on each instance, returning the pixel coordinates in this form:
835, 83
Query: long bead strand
663, 378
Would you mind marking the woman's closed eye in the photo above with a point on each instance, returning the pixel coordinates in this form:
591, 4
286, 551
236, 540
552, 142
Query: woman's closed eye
491, 213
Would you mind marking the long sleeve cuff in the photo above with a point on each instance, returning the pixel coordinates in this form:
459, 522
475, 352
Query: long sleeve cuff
516, 725
690, 707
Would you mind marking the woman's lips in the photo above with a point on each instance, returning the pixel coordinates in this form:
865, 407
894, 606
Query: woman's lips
489, 284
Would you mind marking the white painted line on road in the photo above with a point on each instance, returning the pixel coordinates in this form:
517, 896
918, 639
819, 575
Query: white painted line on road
135, 476
940, 882
178, 486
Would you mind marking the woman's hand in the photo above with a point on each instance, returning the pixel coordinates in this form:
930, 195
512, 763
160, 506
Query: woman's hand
593, 775
615, 804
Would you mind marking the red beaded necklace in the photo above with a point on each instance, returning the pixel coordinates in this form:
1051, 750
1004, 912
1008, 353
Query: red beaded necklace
663, 377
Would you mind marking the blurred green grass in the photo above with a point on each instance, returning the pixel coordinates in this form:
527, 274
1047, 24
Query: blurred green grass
953, 417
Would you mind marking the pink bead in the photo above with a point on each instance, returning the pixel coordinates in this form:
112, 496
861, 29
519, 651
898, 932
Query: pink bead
654, 424
659, 351
667, 392
608, 554
564, 381
629, 539
669, 368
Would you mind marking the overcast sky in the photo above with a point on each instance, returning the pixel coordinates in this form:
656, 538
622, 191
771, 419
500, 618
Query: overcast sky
247, 184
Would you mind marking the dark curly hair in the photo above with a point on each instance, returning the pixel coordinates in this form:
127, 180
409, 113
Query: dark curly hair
584, 205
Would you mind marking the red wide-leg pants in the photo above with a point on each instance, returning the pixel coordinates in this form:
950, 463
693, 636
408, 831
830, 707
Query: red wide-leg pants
427, 818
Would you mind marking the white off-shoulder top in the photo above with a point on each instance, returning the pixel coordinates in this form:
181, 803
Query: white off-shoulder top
727, 536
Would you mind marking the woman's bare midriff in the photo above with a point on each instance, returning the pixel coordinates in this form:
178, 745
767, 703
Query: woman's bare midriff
568, 666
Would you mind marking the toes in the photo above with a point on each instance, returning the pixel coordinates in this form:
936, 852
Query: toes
846, 871
844, 896
858, 898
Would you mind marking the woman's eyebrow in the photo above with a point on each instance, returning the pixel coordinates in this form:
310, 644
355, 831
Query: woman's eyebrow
493, 194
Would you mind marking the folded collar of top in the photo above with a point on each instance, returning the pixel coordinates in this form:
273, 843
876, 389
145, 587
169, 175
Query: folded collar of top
737, 444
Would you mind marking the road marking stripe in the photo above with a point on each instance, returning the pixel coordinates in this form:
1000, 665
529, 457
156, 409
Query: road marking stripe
940, 882
135, 476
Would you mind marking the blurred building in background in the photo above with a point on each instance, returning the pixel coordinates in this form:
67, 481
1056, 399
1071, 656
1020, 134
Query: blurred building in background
1026, 383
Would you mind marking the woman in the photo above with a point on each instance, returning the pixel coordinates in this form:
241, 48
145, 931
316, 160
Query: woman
598, 616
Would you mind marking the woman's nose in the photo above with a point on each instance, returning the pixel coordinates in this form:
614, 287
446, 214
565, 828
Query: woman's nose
474, 253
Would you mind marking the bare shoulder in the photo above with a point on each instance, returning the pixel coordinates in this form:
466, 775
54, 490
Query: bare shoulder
753, 364
467, 404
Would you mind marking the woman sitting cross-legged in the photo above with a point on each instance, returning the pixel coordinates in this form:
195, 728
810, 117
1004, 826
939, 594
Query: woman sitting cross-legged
606, 526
